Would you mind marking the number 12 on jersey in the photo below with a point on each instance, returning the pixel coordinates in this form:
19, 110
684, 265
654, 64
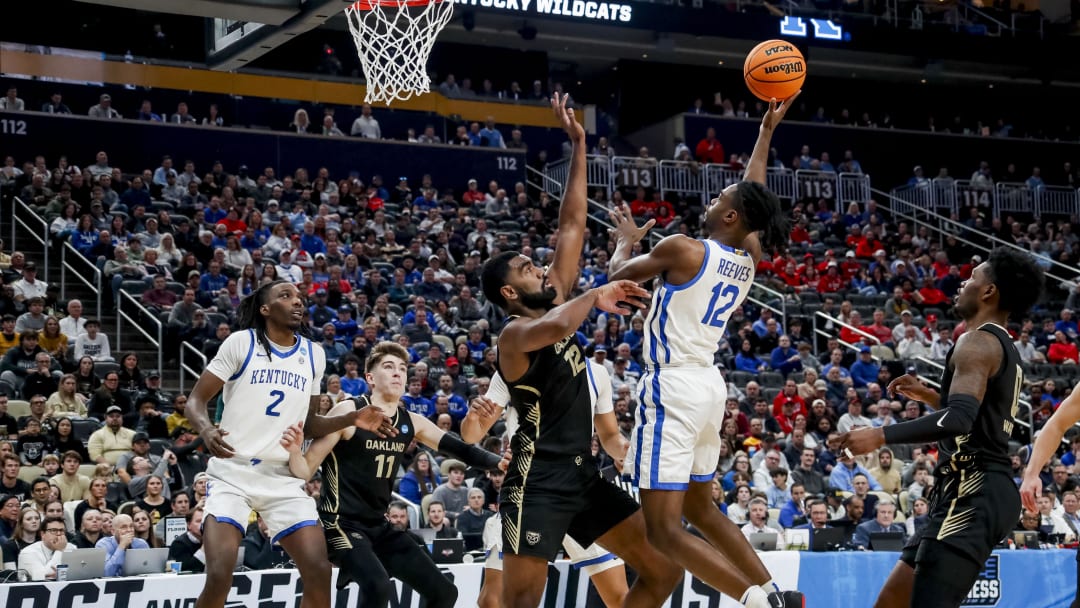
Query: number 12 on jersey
724, 296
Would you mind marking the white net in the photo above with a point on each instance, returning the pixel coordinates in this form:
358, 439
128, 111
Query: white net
394, 39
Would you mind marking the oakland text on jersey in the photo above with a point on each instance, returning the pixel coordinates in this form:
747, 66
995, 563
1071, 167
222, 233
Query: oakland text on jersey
734, 270
384, 445
279, 377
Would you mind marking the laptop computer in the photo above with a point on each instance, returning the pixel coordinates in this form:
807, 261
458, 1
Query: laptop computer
1026, 538
428, 534
447, 550
145, 561
763, 541
826, 539
887, 541
85, 564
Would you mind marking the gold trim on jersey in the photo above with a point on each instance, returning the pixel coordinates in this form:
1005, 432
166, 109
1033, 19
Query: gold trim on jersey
524, 458
971, 482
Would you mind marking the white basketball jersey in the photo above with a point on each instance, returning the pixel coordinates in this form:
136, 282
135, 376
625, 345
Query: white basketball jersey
264, 395
686, 322
599, 390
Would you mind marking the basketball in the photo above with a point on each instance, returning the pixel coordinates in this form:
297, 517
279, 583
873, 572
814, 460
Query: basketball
774, 68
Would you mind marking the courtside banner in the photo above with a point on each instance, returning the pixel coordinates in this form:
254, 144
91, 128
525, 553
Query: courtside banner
836, 580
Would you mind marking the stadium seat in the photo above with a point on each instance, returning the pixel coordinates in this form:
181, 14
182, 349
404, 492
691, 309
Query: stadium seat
177, 288
884, 497
29, 473
69, 514
87, 469
117, 493
882, 352
17, 408
82, 428
446, 343
771, 379
128, 504
134, 288
102, 368
742, 378
905, 501
158, 446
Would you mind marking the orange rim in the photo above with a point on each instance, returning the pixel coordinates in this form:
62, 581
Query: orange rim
367, 5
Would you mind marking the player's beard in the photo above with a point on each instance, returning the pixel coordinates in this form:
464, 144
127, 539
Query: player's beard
543, 299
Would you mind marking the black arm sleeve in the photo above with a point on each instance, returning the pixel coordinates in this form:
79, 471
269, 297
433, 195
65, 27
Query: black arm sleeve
955, 419
469, 454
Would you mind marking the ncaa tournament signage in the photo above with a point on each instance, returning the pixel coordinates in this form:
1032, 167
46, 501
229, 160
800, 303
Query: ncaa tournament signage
583, 10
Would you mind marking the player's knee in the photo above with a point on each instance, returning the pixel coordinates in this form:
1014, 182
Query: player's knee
663, 534
218, 581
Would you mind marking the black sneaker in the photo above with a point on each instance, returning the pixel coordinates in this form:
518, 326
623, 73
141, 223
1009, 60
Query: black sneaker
787, 599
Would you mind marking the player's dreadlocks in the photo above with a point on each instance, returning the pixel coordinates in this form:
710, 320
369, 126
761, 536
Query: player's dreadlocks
761, 211
249, 316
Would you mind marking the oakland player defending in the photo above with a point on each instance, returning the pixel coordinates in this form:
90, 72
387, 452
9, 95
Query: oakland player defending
271, 378
975, 502
606, 571
676, 443
552, 487
358, 476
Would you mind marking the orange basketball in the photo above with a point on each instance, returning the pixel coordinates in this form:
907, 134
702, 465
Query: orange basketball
775, 68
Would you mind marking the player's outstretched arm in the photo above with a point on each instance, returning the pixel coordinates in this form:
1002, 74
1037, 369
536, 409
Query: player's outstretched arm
759, 158
976, 358
207, 387
672, 251
564, 269
530, 335
482, 415
369, 418
434, 437
1067, 414
293, 442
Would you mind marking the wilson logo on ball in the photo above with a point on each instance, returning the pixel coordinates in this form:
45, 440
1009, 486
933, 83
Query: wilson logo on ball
787, 68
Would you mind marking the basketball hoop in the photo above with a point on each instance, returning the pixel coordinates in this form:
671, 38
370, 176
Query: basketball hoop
394, 39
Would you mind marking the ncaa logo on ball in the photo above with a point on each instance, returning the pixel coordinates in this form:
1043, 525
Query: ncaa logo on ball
783, 48
987, 588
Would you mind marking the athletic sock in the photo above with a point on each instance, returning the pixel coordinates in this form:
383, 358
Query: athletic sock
770, 586
755, 597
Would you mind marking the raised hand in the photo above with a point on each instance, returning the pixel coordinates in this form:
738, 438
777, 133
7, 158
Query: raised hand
777, 110
626, 229
861, 441
567, 119
293, 438
371, 418
621, 297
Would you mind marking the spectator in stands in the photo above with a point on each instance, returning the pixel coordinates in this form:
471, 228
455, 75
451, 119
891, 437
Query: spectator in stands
758, 522
1063, 351
436, 520
18, 362
29, 286
300, 122
709, 149
420, 480
777, 492
921, 485
864, 370
72, 485
793, 512
33, 320
39, 381
366, 125
884, 514
842, 476
453, 493
886, 474
812, 481
185, 547
109, 443
471, 521
64, 439
259, 550
55, 105
92, 344
116, 546
40, 559
785, 359
490, 136
32, 443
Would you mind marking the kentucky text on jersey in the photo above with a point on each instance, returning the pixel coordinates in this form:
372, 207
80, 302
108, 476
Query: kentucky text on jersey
279, 377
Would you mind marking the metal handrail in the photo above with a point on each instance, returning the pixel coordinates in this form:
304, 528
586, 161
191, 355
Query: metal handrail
95, 272
185, 368
121, 315
942, 222
42, 237
872, 337
775, 295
